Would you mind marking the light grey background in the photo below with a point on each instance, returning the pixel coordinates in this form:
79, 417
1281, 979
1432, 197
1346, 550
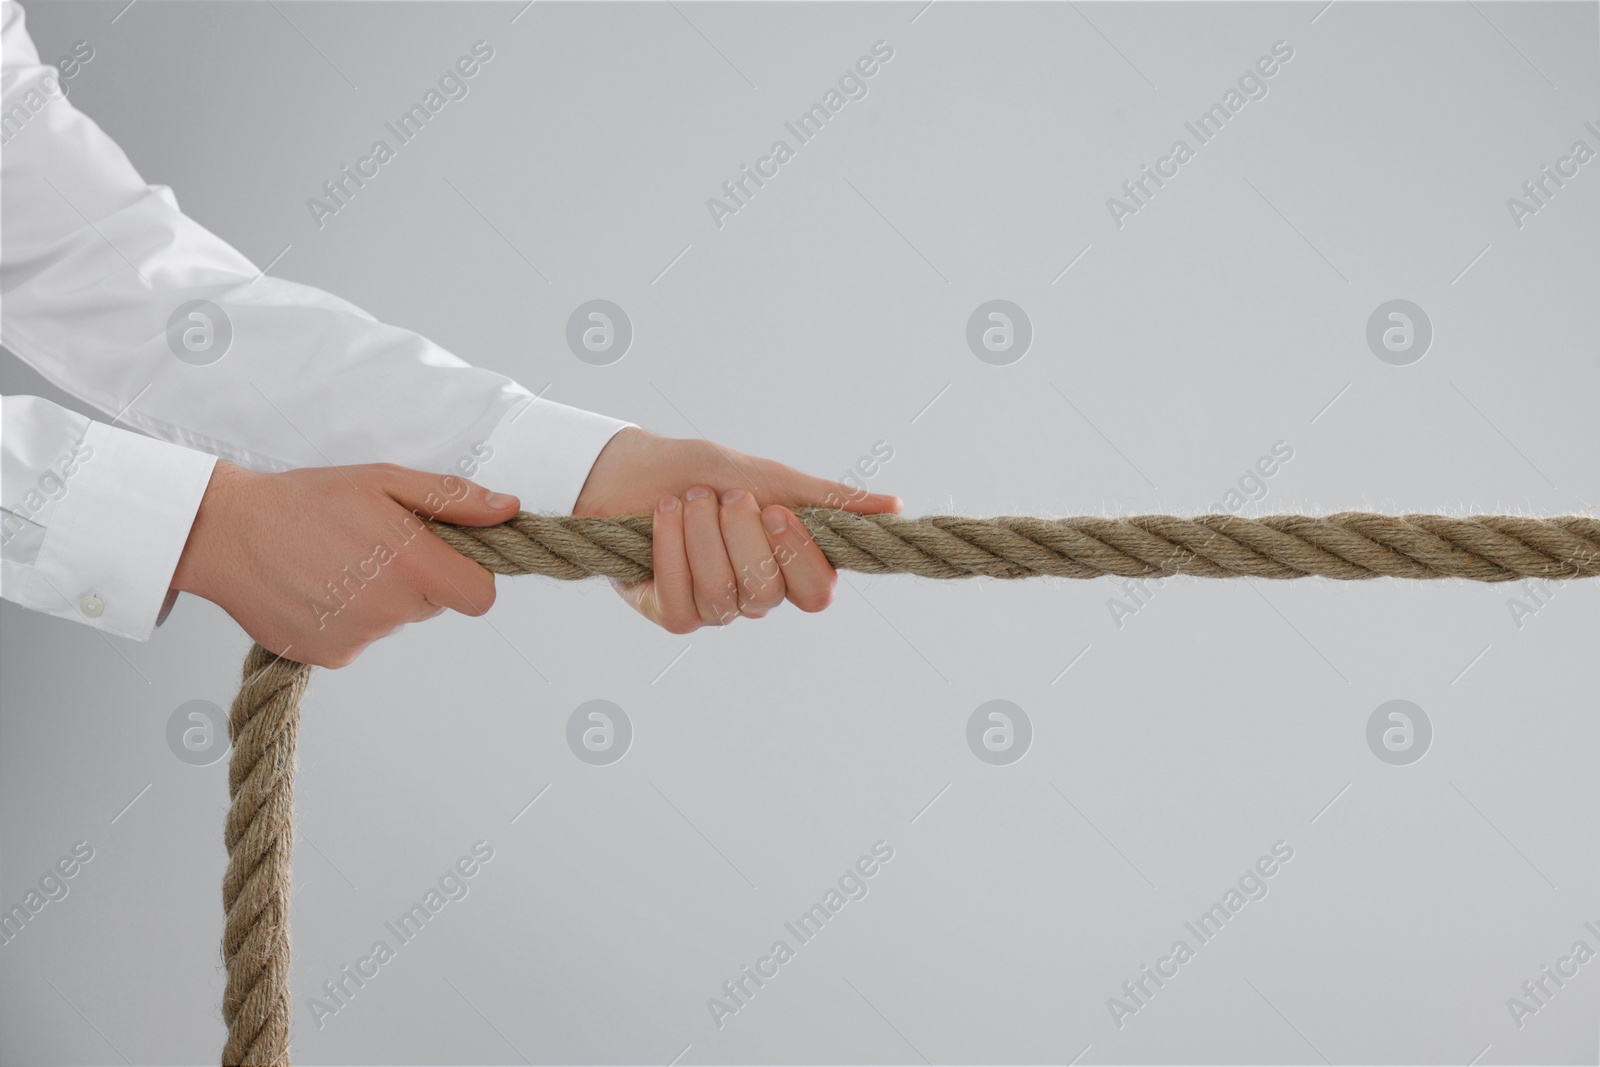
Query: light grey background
1168, 754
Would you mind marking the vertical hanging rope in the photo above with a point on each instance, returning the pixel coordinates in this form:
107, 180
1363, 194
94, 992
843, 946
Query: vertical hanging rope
263, 725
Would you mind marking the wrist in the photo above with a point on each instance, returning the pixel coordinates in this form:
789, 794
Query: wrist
198, 565
618, 462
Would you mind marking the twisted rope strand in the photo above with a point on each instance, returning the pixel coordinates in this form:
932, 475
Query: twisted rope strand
1350, 545
259, 834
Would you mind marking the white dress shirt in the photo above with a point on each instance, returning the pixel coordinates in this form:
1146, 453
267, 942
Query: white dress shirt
100, 275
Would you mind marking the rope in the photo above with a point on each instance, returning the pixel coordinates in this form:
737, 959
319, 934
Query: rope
1351, 545
1348, 545
260, 836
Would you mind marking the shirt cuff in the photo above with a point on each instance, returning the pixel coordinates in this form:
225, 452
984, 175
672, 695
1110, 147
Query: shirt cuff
542, 453
114, 540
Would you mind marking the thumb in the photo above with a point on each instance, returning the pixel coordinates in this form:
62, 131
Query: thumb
447, 497
803, 490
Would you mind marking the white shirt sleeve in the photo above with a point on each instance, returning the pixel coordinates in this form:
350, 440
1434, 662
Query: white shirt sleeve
92, 518
113, 294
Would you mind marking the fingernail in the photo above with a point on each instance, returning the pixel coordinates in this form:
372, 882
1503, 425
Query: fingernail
668, 503
775, 520
732, 496
499, 500
699, 492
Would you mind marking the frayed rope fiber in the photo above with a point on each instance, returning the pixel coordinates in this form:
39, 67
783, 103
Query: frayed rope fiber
1351, 545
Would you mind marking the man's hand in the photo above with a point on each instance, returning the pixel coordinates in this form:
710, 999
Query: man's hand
318, 563
725, 543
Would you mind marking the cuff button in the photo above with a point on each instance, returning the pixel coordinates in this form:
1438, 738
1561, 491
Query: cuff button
92, 606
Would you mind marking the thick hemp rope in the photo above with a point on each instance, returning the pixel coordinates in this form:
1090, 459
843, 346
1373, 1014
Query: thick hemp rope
1350, 545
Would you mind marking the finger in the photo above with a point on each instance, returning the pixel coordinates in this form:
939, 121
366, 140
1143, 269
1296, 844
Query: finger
447, 497
760, 581
716, 596
673, 581
445, 577
808, 577
667, 598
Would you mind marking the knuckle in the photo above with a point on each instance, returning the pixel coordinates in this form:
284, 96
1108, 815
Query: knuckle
753, 589
718, 597
713, 615
746, 504
765, 598
719, 613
